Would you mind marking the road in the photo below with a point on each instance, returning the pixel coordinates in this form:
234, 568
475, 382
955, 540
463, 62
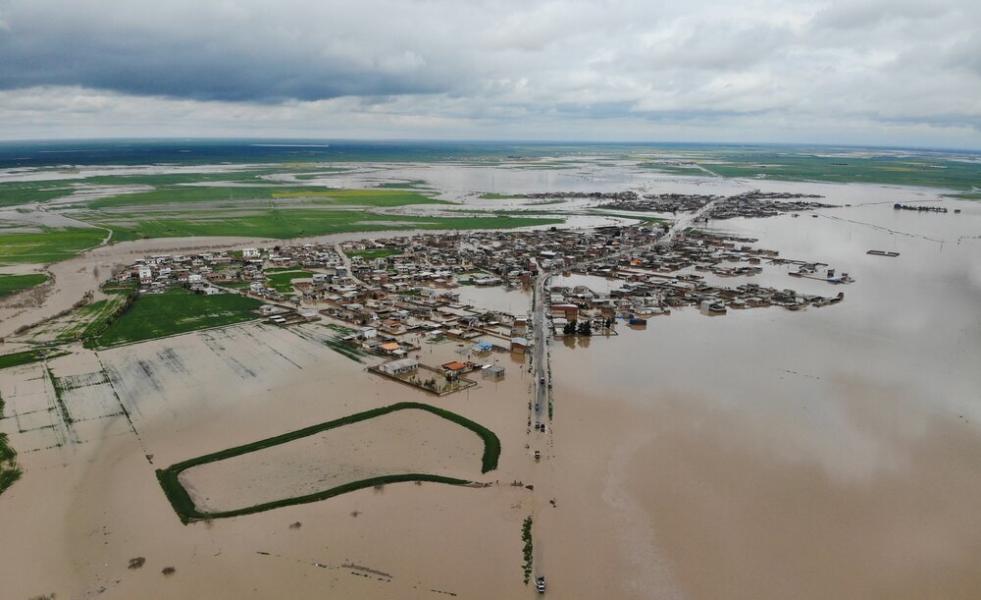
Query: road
347, 263
540, 354
540, 348
684, 222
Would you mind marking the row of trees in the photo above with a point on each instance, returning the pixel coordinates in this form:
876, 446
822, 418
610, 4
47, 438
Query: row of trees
583, 327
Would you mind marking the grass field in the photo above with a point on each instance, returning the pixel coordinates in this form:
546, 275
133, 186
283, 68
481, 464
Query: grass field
185, 194
9, 471
790, 165
47, 246
11, 284
25, 357
282, 281
173, 312
967, 196
92, 319
294, 223
182, 503
495, 196
20, 193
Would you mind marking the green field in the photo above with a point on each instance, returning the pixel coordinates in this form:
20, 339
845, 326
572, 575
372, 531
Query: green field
496, 196
967, 196
47, 246
173, 312
185, 194
11, 284
293, 223
928, 170
9, 471
19, 193
282, 281
25, 357
185, 508
89, 321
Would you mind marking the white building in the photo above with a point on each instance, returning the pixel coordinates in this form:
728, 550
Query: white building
400, 366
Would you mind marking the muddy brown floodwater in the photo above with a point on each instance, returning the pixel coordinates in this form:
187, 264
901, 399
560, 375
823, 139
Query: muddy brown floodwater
765, 454
834, 453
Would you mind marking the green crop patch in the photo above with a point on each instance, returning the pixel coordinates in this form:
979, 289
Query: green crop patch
262, 193
174, 312
11, 284
48, 245
26, 357
294, 223
20, 193
188, 511
282, 281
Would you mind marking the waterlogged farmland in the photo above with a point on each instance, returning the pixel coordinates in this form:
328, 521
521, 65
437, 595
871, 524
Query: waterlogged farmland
173, 312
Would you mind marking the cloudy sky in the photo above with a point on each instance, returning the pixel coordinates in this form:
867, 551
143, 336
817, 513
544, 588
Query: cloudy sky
888, 72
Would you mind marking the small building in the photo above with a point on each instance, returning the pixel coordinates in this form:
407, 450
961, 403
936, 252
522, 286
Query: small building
494, 372
456, 367
390, 347
519, 345
368, 333
250, 253
402, 366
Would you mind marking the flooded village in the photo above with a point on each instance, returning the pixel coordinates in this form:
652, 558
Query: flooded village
385, 297
634, 375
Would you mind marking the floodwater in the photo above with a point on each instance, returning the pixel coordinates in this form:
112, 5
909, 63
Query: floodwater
829, 453
515, 301
833, 453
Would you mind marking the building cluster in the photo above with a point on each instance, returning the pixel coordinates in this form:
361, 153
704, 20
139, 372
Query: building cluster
387, 297
754, 204
200, 272
920, 208
654, 281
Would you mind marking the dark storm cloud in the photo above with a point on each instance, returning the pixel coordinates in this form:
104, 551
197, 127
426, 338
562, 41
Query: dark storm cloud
769, 69
197, 52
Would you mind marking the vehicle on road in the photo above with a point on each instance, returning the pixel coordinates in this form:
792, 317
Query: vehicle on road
540, 584
538, 454
542, 381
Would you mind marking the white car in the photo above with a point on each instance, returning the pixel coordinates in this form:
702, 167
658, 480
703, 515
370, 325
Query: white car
540, 584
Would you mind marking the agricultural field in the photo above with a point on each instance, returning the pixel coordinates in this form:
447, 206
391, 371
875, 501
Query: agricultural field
830, 166
282, 281
20, 193
9, 470
47, 245
173, 312
292, 223
373, 253
11, 284
188, 194
253, 477
25, 357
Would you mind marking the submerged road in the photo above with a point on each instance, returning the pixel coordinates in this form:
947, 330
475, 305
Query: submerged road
541, 421
540, 349
684, 222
